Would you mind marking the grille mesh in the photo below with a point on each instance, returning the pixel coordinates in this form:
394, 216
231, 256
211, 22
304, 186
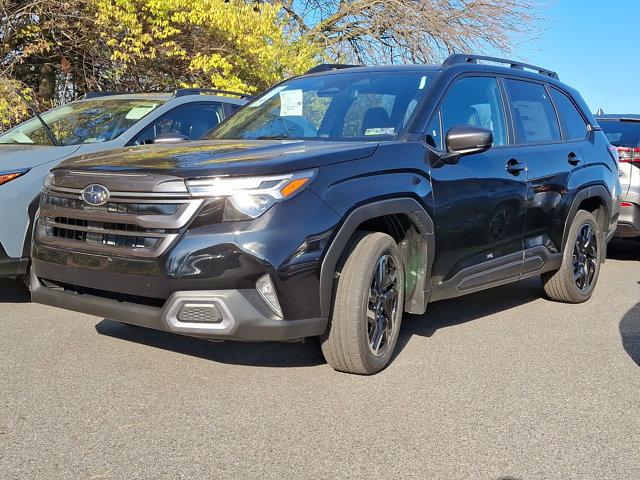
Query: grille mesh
141, 224
112, 207
200, 314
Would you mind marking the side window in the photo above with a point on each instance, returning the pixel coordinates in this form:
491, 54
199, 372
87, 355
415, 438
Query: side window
192, 121
473, 101
573, 125
534, 118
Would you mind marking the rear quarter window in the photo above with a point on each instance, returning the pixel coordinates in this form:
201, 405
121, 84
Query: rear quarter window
573, 125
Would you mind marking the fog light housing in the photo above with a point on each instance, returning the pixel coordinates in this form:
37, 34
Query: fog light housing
265, 288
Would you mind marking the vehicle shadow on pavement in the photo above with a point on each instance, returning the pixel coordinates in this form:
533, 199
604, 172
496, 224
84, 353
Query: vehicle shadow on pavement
448, 313
623, 249
439, 315
630, 333
13, 291
263, 354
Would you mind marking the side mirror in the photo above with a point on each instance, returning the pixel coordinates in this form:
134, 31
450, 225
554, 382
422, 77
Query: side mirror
467, 140
171, 138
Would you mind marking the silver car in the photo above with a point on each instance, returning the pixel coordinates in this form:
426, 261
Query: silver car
623, 131
96, 123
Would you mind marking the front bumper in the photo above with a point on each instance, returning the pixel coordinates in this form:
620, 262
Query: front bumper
215, 314
12, 267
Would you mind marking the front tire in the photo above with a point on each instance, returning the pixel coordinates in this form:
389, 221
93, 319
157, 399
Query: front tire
575, 281
368, 306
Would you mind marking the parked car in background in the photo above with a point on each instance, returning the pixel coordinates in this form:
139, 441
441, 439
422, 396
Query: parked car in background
98, 122
623, 131
335, 202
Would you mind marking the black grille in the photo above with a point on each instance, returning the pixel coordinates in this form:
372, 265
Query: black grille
136, 224
119, 234
112, 207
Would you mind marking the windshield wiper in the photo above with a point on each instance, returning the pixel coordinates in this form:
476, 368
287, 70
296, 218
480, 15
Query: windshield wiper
47, 130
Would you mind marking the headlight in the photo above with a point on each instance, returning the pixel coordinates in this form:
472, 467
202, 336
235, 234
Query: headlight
249, 197
6, 177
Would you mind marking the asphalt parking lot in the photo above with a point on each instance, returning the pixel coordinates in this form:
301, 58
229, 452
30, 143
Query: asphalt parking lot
498, 385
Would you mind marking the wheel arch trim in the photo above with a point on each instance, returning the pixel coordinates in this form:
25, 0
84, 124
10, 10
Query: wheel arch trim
599, 192
394, 206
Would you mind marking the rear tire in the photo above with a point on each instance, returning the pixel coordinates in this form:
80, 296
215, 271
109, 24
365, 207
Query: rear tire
368, 306
575, 281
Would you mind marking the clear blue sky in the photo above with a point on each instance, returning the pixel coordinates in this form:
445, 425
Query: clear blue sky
594, 45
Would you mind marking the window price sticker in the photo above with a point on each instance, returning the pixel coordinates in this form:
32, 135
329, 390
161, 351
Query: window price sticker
291, 103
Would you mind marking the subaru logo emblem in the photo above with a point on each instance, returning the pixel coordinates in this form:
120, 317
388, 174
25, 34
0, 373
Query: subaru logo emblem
95, 195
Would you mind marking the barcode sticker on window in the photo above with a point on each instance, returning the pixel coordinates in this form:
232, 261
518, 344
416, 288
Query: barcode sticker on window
380, 131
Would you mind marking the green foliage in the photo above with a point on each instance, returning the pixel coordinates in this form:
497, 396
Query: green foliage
233, 45
144, 45
12, 109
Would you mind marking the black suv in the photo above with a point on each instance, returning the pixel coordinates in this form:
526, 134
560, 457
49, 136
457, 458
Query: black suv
333, 203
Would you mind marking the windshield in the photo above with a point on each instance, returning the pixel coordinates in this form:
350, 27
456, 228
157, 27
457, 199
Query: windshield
90, 121
336, 107
621, 133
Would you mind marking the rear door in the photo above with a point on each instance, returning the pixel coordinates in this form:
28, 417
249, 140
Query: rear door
552, 150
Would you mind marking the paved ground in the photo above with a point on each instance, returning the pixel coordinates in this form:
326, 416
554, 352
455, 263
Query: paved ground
501, 384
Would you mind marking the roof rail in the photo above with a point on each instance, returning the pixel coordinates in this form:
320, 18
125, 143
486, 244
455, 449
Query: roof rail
181, 92
327, 67
458, 58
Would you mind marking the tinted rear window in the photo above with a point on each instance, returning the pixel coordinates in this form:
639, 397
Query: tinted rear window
534, 118
621, 133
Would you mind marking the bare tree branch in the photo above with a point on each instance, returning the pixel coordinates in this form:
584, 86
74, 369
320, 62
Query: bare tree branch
401, 31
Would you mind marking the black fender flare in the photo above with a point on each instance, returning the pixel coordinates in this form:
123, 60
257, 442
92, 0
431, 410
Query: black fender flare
593, 191
409, 206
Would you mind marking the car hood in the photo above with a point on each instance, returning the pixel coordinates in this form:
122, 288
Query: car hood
14, 157
223, 157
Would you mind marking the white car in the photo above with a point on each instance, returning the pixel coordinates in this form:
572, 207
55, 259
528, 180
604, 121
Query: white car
623, 132
96, 123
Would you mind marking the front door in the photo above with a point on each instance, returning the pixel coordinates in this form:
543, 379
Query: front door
480, 201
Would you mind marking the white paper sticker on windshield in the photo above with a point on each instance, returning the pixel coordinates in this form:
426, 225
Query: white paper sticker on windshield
266, 97
423, 82
291, 103
136, 113
380, 131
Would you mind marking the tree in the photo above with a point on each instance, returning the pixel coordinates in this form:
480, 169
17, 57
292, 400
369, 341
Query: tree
415, 31
59, 50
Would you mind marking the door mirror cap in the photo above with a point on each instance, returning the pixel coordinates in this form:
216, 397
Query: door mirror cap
171, 138
467, 140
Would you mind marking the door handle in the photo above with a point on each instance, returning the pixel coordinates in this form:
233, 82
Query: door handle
514, 167
573, 159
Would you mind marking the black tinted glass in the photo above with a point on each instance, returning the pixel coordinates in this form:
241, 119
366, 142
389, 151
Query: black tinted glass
574, 126
534, 118
474, 101
621, 133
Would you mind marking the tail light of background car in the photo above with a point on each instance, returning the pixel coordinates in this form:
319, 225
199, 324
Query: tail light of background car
629, 154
